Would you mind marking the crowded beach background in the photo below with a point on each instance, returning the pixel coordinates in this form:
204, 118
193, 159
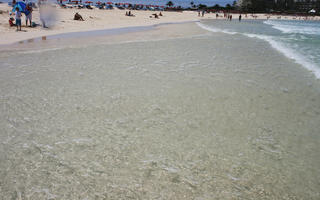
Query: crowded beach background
39, 18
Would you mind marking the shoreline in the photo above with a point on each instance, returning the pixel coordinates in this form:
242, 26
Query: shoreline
119, 35
103, 36
94, 33
97, 20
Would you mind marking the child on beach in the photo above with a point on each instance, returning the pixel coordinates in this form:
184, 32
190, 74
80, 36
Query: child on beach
29, 14
18, 19
11, 20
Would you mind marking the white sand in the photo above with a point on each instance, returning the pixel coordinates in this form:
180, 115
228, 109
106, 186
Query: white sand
94, 20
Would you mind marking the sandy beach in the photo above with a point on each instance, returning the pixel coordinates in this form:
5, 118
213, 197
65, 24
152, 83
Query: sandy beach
97, 19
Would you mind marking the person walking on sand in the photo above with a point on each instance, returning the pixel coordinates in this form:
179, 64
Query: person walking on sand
240, 17
18, 19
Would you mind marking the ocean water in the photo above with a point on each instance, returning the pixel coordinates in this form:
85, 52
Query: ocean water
298, 40
207, 116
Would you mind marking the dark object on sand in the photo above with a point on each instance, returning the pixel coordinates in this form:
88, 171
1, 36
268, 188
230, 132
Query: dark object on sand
11, 20
129, 14
34, 24
77, 16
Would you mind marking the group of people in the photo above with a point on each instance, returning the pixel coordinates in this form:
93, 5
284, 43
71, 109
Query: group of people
156, 15
18, 14
27, 8
202, 13
228, 16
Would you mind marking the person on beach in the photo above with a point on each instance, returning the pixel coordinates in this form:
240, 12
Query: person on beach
240, 17
11, 20
203, 13
29, 14
18, 19
78, 17
198, 13
130, 14
230, 17
42, 15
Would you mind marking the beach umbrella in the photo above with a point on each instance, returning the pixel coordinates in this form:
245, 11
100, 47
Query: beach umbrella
109, 2
88, 2
21, 6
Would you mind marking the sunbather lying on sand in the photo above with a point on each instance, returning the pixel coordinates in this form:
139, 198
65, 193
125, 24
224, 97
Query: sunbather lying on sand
155, 16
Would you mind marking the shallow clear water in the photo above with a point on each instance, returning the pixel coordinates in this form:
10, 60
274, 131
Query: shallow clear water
185, 118
298, 40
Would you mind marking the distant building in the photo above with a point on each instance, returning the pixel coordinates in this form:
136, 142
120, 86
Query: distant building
279, 5
307, 5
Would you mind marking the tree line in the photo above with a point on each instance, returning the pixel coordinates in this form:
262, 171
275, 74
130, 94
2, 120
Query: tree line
260, 6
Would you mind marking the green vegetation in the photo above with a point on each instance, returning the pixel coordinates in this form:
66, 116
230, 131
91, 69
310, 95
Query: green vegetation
170, 4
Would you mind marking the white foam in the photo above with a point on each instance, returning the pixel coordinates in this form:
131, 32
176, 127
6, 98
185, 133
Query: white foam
290, 53
276, 45
215, 30
294, 27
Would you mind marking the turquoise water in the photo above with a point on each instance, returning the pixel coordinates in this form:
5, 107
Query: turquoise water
298, 40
